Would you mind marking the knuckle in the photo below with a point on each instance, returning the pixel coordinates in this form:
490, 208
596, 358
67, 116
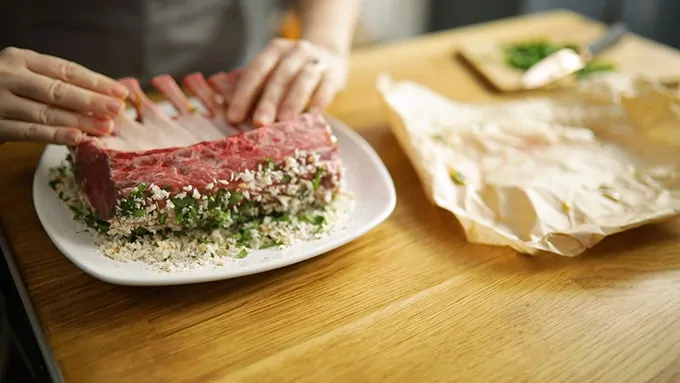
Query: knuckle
58, 135
310, 70
284, 73
10, 59
45, 115
31, 132
56, 90
4, 96
96, 82
68, 71
12, 52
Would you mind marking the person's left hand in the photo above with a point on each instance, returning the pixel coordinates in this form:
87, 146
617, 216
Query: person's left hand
286, 77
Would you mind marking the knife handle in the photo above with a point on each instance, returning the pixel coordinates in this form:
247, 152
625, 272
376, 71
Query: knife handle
614, 33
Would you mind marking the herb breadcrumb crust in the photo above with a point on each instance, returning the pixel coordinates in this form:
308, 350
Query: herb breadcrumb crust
276, 206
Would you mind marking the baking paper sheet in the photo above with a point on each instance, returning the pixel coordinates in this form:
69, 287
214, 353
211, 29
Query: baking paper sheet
553, 174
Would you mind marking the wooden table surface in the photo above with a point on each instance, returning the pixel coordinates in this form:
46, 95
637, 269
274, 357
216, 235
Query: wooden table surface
410, 301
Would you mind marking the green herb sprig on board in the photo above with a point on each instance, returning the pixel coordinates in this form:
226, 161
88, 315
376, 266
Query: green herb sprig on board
523, 55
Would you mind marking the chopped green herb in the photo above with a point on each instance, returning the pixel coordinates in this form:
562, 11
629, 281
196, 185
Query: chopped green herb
162, 219
457, 177
282, 217
217, 201
607, 192
236, 197
75, 211
317, 177
247, 207
286, 178
314, 220
524, 55
127, 207
186, 209
179, 217
218, 218
242, 254
54, 183
271, 244
140, 192
269, 164
139, 213
320, 220
139, 232
178, 202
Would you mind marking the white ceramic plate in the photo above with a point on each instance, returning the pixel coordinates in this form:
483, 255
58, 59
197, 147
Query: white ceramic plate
366, 177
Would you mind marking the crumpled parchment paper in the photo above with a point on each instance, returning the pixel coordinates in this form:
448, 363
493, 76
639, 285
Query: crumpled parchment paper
553, 174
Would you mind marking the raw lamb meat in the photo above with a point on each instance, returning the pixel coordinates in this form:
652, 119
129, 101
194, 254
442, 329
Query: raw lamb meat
197, 170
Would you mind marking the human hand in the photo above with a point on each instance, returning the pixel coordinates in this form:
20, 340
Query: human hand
47, 99
286, 77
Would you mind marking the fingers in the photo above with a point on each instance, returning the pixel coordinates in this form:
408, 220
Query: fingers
278, 84
25, 131
61, 94
301, 91
49, 99
254, 77
325, 93
21, 109
284, 79
72, 73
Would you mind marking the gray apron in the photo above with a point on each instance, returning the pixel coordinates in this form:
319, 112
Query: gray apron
142, 38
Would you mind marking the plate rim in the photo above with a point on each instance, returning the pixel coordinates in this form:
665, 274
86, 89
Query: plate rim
188, 277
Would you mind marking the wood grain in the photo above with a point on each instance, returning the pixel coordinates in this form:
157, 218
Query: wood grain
409, 301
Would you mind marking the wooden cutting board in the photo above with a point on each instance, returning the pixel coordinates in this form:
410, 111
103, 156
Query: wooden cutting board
486, 57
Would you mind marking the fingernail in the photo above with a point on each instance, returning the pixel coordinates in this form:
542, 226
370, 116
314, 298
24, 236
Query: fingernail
120, 91
286, 114
73, 137
104, 125
263, 117
114, 106
234, 115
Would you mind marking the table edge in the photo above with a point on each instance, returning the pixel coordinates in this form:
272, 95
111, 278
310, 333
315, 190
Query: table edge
41, 339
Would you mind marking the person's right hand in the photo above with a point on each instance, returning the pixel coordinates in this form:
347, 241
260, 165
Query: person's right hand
47, 99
